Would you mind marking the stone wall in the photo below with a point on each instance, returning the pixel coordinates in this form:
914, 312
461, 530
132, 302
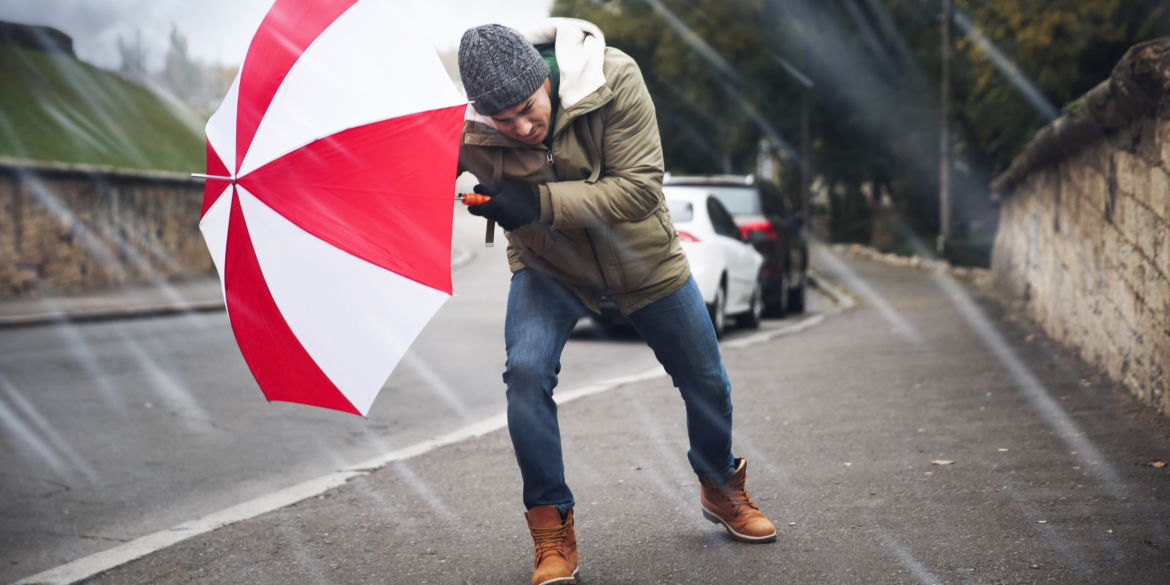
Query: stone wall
1084, 235
76, 227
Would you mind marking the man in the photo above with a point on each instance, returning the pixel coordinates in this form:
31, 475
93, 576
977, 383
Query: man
562, 135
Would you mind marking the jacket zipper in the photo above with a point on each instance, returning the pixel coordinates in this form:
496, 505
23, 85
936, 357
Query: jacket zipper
548, 157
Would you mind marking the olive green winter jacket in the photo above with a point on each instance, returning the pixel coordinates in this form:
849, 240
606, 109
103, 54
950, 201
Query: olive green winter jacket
604, 227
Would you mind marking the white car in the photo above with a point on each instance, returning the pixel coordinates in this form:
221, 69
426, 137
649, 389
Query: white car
726, 268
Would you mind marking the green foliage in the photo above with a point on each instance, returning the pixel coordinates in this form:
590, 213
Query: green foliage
1065, 47
54, 107
876, 65
703, 113
1070, 109
851, 221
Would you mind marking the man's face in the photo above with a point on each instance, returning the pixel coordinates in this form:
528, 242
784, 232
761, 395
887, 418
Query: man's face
528, 120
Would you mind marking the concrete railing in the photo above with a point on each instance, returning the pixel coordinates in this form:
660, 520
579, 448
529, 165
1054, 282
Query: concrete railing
66, 227
1084, 233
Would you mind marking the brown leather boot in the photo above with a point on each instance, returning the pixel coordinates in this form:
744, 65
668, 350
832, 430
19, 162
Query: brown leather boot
556, 546
731, 506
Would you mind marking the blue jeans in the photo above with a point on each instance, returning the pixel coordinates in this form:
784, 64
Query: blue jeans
541, 314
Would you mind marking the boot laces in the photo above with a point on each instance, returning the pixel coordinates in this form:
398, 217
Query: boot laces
736, 494
549, 541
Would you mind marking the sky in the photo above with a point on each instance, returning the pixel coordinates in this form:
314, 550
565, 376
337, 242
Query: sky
218, 31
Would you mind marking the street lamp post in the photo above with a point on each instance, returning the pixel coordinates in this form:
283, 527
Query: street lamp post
805, 149
806, 85
944, 146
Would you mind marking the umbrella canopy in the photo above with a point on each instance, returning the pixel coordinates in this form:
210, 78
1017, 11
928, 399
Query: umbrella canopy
333, 237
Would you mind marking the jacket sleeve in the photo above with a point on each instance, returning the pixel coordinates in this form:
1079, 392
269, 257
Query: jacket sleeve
461, 166
630, 187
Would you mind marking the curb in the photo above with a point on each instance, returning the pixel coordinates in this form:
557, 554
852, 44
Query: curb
980, 278
96, 315
843, 298
460, 256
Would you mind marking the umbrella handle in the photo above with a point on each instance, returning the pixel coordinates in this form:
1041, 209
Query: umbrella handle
489, 239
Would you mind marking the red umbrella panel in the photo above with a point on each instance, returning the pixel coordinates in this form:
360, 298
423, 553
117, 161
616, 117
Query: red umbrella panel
332, 233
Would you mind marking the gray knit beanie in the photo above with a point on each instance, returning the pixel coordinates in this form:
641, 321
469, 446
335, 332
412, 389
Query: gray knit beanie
499, 68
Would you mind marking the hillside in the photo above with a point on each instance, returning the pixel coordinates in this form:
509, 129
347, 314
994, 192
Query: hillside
54, 107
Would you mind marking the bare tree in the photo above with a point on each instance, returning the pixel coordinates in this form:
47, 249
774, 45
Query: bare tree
180, 74
133, 57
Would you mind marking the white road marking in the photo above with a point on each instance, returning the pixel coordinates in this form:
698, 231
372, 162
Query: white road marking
94, 564
916, 568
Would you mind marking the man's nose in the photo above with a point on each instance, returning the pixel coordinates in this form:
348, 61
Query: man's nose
525, 127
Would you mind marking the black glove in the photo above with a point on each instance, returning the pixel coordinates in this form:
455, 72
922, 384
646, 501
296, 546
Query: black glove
513, 203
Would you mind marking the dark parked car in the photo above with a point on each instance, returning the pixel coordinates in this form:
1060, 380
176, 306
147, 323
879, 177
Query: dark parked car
772, 229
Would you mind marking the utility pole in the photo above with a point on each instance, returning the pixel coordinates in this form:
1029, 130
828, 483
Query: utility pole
806, 85
805, 147
944, 146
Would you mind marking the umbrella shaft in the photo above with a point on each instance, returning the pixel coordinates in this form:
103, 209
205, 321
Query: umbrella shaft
212, 177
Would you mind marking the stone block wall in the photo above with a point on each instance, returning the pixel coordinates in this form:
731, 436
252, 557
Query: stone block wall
66, 228
1084, 236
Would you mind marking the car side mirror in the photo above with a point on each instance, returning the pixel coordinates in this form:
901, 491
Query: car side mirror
756, 237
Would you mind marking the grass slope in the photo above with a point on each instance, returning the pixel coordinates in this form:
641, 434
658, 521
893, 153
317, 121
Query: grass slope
54, 107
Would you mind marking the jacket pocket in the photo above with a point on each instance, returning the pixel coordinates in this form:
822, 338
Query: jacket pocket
639, 246
534, 238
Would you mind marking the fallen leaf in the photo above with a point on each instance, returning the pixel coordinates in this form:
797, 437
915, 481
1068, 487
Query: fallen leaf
1009, 318
1029, 338
848, 464
1157, 464
942, 462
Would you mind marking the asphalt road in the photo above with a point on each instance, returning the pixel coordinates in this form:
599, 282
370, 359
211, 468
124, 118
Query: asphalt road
115, 430
920, 438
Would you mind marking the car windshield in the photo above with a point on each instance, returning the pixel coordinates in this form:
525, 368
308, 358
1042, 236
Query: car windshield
738, 200
680, 211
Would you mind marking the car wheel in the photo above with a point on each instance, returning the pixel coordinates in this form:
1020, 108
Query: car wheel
796, 296
718, 312
778, 307
751, 319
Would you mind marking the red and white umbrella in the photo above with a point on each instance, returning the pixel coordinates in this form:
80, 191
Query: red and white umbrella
332, 232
